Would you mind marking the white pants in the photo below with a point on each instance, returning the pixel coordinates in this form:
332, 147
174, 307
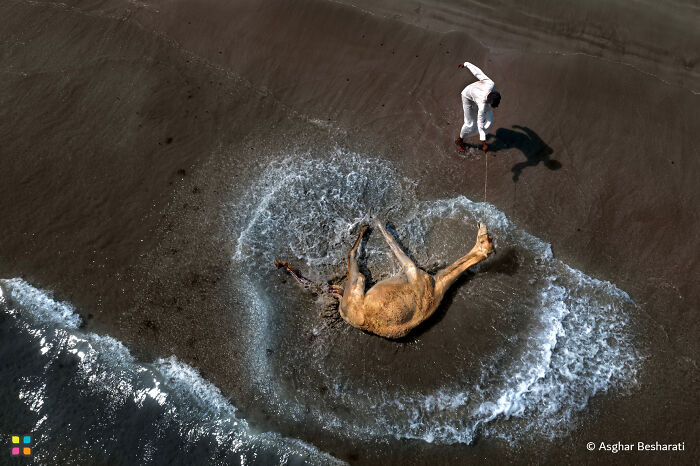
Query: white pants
471, 111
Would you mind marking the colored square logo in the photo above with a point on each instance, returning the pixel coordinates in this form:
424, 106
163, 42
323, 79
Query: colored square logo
26, 450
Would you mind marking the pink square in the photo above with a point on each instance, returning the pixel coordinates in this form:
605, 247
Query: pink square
15, 451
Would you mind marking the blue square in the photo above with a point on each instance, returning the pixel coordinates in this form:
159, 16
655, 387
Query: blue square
27, 439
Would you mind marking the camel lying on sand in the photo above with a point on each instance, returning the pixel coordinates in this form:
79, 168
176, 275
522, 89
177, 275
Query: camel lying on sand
395, 306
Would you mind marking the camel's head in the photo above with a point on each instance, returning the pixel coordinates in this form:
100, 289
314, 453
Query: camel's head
483, 240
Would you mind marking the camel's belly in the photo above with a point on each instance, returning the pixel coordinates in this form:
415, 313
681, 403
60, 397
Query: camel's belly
390, 303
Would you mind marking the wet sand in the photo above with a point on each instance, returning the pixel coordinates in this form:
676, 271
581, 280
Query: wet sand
127, 128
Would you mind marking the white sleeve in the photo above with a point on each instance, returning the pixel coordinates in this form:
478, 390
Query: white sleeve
481, 121
477, 72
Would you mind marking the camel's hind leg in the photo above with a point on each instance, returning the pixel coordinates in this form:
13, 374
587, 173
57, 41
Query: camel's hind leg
481, 250
354, 294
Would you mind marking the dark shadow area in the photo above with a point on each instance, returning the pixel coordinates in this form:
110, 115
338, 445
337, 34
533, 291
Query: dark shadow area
362, 260
534, 149
506, 262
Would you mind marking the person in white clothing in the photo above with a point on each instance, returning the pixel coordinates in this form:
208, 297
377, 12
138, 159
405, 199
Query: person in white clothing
478, 100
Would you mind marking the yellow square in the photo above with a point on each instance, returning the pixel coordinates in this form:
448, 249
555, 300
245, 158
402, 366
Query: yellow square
15, 439
27, 451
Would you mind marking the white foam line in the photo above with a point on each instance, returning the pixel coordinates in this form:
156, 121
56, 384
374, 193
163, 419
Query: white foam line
40, 303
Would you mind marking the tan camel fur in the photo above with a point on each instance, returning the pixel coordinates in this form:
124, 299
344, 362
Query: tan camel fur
395, 306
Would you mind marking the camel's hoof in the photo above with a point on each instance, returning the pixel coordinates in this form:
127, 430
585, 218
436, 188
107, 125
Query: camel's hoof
484, 241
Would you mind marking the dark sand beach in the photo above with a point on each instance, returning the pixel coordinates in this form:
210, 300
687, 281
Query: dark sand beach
138, 139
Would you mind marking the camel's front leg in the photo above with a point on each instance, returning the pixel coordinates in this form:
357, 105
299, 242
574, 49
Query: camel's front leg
481, 250
351, 305
401, 256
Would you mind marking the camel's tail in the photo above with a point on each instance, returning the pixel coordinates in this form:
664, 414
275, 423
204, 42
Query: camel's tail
333, 290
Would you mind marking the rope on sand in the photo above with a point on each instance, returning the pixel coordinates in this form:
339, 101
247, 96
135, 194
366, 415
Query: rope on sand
486, 177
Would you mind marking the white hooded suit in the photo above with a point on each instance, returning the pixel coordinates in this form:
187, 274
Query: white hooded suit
478, 116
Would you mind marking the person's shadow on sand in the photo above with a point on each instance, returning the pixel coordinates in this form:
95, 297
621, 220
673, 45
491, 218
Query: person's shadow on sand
527, 141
